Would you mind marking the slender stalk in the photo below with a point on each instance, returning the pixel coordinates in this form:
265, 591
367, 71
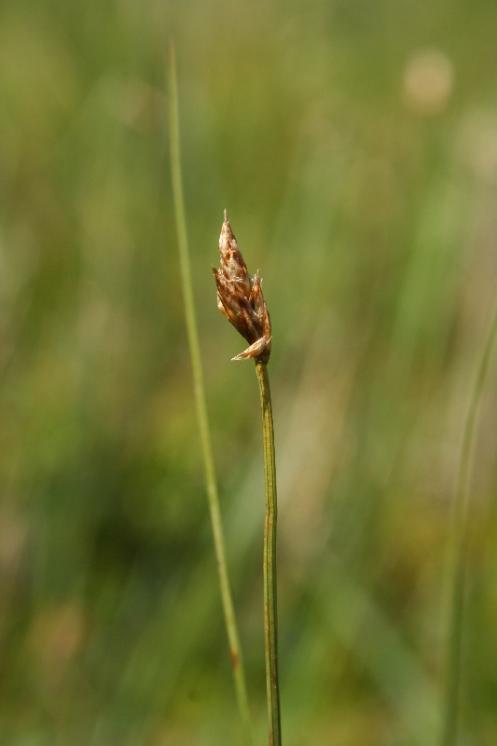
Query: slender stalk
459, 547
201, 407
270, 589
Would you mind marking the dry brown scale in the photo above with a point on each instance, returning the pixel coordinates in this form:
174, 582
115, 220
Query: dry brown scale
240, 298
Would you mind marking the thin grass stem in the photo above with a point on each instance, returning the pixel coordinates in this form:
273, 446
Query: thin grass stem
270, 585
201, 407
459, 541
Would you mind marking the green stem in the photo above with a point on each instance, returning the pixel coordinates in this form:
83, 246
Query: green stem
270, 590
201, 407
459, 547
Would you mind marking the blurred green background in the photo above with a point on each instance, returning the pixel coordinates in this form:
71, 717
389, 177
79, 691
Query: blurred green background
355, 147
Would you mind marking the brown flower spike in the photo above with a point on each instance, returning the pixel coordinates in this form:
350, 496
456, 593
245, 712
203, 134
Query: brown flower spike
240, 298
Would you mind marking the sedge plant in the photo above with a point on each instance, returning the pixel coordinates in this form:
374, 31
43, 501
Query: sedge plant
240, 299
201, 409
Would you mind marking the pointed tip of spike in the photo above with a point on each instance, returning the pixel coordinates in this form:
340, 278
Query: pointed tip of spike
226, 231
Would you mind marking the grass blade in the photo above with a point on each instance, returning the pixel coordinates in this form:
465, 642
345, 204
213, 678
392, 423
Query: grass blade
459, 547
201, 407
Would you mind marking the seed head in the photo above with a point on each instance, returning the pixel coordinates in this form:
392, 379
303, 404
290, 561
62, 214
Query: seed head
240, 298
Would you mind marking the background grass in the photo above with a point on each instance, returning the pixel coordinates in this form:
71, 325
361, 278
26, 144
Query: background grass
360, 175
